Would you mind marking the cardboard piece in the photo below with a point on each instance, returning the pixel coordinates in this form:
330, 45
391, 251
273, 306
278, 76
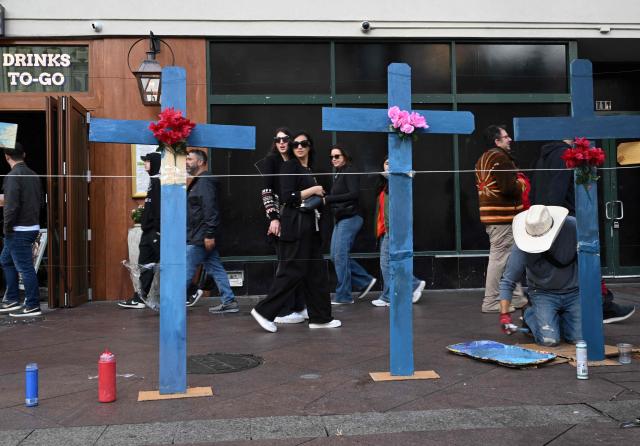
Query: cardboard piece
192, 392
568, 351
628, 153
418, 374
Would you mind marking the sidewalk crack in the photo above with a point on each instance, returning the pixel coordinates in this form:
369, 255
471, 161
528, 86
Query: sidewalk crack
559, 435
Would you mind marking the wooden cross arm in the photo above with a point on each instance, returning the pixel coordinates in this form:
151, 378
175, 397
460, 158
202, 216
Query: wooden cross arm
593, 127
376, 120
203, 135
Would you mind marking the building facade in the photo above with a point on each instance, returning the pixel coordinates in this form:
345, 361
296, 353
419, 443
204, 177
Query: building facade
278, 63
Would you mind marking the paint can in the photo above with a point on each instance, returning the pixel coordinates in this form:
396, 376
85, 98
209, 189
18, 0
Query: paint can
582, 368
31, 385
107, 377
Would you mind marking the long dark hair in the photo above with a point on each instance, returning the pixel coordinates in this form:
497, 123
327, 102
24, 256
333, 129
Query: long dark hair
347, 157
306, 134
287, 132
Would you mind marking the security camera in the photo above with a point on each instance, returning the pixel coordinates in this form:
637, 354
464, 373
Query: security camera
96, 26
365, 26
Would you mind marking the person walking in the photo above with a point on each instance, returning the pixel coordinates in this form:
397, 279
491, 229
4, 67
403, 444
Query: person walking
500, 199
382, 235
203, 219
301, 263
343, 200
22, 199
294, 310
149, 246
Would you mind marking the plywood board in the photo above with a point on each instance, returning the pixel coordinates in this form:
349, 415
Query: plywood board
568, 350
192, 392
387, 376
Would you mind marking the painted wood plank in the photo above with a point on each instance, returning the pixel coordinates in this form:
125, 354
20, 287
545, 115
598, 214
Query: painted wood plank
581, 78
598, 127
119, 131
223, 137
191, 392
418, 374
376, 120
400, 230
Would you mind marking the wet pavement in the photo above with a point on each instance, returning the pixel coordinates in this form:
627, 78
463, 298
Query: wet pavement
313, 386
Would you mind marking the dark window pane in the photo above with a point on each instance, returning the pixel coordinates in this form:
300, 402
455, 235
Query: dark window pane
244, 225
508, 68
433, 231
472, 146
266, 67
362, 67
618, 83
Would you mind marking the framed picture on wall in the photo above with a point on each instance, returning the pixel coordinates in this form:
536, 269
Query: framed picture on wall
140, 180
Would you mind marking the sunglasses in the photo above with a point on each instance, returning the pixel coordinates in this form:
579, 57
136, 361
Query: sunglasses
281, 139
304, 144
335, 157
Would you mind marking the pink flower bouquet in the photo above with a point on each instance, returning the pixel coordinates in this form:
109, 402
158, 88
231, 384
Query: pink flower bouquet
405, 123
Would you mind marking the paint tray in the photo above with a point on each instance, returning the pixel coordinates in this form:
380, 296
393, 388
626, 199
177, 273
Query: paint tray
502, 354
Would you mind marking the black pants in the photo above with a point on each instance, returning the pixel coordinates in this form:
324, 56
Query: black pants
300, 269
296, 301
149, 253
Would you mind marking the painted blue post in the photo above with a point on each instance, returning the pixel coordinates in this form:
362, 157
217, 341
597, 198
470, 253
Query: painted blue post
583, 122
400, 194
173, 327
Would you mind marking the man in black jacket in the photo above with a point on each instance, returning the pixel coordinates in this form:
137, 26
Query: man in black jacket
150, 241
553, 185
22, 199
203, 219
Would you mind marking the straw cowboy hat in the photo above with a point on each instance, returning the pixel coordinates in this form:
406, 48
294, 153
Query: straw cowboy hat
536, 229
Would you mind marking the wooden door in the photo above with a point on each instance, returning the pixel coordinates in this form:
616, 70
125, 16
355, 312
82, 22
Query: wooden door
55, 205
76, 191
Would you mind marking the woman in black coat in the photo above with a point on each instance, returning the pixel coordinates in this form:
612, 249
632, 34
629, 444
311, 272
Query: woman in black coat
344, 202
301, 263
293, 311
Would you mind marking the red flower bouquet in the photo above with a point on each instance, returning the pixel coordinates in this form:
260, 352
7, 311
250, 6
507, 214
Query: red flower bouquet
172, 130
584, 159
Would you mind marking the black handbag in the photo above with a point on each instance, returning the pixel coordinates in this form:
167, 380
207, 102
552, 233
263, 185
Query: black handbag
310, 204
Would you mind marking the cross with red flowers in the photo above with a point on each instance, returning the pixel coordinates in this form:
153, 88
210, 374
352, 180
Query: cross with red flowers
173, 243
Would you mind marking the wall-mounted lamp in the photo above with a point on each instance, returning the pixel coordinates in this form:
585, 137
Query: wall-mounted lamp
149, 72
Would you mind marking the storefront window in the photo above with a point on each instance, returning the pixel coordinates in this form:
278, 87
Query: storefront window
361, 68
510, 68
269, 68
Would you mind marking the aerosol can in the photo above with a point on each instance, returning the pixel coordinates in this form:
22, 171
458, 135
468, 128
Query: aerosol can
107, 377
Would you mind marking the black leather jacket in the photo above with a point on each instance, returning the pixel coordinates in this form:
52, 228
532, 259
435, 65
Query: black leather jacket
203, 217
22, 198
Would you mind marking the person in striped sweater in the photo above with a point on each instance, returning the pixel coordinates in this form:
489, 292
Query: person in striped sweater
500, 199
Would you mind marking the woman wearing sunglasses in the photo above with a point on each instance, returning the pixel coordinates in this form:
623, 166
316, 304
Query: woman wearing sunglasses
293, 311
300, 257
343, 200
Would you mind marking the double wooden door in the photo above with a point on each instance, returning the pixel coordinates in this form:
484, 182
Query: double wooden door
68, 178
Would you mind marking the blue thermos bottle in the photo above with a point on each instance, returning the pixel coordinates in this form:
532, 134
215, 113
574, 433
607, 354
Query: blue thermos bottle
31, 385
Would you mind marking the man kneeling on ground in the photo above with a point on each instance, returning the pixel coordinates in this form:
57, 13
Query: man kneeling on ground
546, 248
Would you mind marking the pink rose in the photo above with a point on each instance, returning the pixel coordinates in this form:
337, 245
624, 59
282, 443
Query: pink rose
407, 128
394, 114
417, 120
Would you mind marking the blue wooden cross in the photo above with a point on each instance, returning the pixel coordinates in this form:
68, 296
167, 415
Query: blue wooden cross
583, 122
400, 197
173, 243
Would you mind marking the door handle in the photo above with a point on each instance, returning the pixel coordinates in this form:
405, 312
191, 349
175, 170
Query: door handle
621, 210
606, 210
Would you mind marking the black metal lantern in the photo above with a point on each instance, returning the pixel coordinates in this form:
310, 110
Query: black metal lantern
148, 75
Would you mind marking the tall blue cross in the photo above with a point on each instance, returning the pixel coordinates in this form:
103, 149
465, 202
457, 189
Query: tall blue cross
173, 243
583, 122
400, 231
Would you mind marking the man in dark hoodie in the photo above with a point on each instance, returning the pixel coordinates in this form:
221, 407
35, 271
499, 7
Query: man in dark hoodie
150, 224
555, 187
22, 199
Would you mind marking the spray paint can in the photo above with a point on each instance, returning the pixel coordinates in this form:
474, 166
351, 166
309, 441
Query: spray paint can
582, 368
31, 385
107, 377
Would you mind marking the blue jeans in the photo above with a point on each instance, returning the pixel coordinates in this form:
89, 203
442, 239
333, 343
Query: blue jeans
211, 263
349, 273
385, 268
553, 316
17, 258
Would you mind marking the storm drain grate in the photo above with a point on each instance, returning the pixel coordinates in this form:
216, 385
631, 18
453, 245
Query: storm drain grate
213, 363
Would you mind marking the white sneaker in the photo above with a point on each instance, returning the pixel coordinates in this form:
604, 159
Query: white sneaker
417, 293
368, 288
380, 303
293, 318
305, 314
264, 323
333, 324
